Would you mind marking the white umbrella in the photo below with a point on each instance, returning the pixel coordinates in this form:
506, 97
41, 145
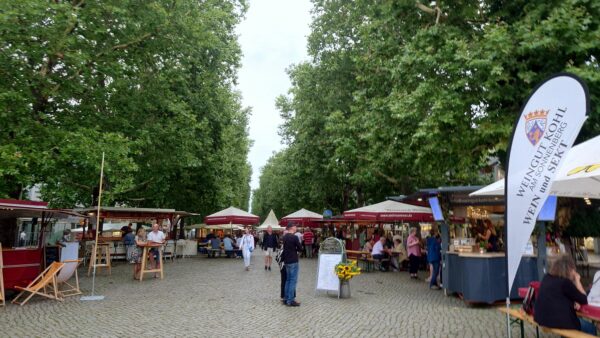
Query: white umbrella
494, 189
578, 177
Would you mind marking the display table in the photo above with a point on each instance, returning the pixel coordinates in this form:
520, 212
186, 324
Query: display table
147, 248
481, 277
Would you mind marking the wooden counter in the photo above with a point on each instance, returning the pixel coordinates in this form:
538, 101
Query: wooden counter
482, 255
481, 277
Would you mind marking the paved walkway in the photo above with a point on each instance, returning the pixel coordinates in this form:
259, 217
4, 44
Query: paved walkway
202, 297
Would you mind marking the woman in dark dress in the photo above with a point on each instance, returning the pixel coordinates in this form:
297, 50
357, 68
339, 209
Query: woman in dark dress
489, 235
560, 296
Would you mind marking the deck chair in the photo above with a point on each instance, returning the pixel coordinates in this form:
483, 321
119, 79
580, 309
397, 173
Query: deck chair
65, 288
47, 279
69, 255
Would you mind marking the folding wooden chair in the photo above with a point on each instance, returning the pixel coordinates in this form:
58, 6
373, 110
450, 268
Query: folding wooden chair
47, 279
65, 289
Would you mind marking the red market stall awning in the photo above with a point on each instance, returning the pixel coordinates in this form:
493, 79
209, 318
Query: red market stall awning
232, 215
390, 211
302, 217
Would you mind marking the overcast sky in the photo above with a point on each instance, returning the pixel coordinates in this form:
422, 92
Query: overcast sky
273, 36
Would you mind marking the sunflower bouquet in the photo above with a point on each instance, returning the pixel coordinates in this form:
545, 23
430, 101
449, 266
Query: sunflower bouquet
346, 270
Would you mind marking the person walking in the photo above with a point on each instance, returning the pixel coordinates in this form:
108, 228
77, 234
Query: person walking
414, 253
308, 243
269, 245
434, 256
282, 269
291, 247
247, 246
301, 239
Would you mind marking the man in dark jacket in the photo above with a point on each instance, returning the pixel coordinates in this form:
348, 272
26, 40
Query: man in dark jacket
291, 247
269, 245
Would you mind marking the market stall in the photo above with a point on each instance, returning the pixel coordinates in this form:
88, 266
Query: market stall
389, 215
116, 217
25, 225
471, 267
231, 215
302, 218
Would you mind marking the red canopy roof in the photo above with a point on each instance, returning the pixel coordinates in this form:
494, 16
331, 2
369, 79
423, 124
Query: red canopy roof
232, 215
390, 211
302, 217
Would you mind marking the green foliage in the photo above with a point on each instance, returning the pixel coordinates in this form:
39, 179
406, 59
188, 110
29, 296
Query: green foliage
396, 97
147, 82
585, 222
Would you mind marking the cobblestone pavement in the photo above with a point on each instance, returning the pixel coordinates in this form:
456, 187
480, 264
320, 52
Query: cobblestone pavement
202, 297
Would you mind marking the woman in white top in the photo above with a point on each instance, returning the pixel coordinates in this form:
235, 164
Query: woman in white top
247, 246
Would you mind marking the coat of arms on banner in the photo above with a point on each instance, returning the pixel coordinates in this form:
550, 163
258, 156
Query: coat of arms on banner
535, 125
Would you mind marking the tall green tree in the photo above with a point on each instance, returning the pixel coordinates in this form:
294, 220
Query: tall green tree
148, 82
400, 95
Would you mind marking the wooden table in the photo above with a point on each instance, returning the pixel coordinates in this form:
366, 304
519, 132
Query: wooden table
101, 253
589, 312
143, 269
362, 256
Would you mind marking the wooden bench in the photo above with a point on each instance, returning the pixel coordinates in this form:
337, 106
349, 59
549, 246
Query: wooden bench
519, 316
361, 256
364, 257
213, 252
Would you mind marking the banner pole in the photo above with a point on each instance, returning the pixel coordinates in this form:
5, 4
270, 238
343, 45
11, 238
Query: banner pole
92, 296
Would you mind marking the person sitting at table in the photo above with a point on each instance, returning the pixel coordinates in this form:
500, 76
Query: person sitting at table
593, 296
228, 245
559, 297
380, 252
398, 254
215, 245
156, 237
136, 255
369, 245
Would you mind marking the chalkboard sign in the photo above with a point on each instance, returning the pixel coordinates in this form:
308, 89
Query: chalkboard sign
52, 254
331, 252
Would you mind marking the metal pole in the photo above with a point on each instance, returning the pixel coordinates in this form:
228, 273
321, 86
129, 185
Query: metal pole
93, 297
508, 317
98, 223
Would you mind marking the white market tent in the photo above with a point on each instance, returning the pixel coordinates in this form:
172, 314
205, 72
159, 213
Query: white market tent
579, 176
270, 221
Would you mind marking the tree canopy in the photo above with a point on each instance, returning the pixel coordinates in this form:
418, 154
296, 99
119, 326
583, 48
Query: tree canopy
400, 95
150, 83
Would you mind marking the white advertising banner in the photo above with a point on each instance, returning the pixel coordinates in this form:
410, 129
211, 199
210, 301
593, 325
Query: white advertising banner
547, 127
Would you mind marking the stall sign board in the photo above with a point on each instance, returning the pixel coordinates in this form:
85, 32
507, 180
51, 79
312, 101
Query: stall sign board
544, 133
331, 252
